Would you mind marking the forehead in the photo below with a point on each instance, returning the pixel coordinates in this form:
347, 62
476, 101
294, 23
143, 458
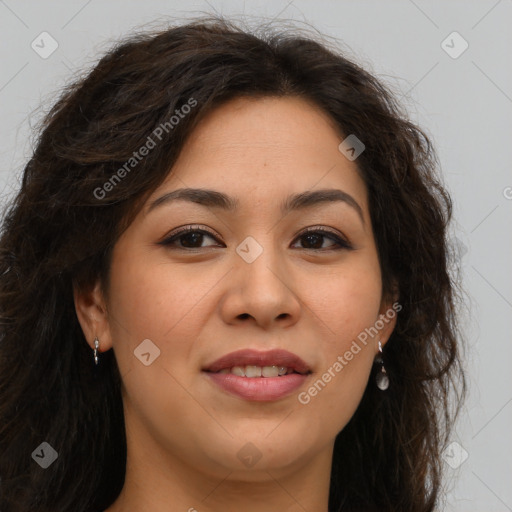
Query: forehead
260, 149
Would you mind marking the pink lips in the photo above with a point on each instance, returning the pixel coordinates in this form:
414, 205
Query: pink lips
259, 388
247, 357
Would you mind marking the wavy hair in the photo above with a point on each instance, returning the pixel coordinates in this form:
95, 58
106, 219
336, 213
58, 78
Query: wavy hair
57, 235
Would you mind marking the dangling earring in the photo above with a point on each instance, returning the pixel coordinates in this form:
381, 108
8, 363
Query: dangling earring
96, 347
381, 378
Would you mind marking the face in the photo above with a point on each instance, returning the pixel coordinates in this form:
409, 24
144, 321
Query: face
257, 278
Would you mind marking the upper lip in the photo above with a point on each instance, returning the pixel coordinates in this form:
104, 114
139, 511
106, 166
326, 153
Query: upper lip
248, 357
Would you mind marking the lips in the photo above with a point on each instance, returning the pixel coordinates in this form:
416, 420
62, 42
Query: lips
247, 357
258, 388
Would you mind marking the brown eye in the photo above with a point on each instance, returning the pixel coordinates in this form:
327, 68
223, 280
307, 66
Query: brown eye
189, 237
314, 239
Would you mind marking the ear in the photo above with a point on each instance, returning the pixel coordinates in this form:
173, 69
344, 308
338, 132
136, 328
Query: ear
92, 314
388, 313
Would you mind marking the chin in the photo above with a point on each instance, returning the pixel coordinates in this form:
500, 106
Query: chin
252, 453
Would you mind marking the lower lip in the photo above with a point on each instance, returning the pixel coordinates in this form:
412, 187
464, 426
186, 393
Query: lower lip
258, 389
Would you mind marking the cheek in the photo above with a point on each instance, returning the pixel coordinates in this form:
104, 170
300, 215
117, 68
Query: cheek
334, 394
346, 305
149, 297
330, 401
346, 301
167, 304
149, 302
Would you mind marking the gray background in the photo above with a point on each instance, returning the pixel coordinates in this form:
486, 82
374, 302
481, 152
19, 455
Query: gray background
463, 103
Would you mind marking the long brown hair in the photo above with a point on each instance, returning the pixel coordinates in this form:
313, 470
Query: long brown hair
58, 234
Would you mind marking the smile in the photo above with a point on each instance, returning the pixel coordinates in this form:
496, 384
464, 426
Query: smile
258, 376
251, 371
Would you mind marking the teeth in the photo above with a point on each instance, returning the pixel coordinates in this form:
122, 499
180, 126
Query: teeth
270, 371
252, 371
238, 370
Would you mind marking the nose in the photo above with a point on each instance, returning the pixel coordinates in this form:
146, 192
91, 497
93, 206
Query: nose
262, 292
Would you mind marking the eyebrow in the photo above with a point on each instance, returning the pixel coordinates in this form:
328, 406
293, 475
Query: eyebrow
219, 200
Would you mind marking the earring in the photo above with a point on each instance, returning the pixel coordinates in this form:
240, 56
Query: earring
381, 378
96, 346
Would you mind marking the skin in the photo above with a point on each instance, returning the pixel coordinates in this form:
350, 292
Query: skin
183, 432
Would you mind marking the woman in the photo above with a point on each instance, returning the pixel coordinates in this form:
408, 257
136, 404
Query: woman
225, 287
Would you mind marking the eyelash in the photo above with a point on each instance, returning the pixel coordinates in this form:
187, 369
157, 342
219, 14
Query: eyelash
340, 242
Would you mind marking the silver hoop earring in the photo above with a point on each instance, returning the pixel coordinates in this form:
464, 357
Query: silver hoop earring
96, 347
381, 378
